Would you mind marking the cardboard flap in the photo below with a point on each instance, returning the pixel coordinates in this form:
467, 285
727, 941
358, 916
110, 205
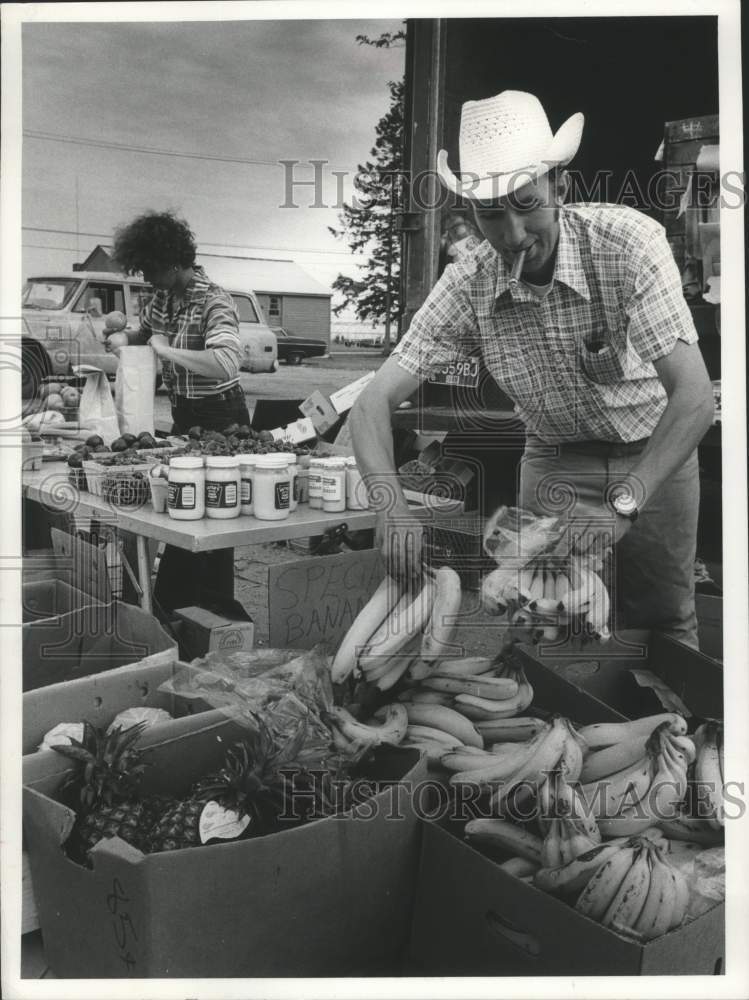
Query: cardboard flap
88, 564
669, 699
41, 813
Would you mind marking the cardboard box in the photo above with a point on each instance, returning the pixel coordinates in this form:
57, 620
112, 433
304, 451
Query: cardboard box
90, 640
42, 600
344, 398
320, 411
473, 919
605, 671
710, 625
224, 626
333, 898
98, 700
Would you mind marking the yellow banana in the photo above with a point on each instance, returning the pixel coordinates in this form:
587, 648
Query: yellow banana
513, 730
656, 915
491, 772
393, 730
507, 836
447, 741
440, 627
562, 589
401, 626
446, 719
465, 666
607, 797
574, 876
691, 829
684, 745
610, 760
597, 895
707, 775
433, 749
519, 867
628, 903
425, 697
571, 761
495, 689
606, 734
525, 583
536, 586
391, 678
599, 606
369, 618
551, 852
544, 758
682, 897
464, 759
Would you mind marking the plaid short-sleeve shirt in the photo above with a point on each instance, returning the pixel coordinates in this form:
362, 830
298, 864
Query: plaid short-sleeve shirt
578, 363
204, 319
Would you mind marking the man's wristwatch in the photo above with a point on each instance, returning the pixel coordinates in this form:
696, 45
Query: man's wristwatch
625, 505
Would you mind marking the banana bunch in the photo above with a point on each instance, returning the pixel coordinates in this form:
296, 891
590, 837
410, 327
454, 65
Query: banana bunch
546, 597
399, 627
349, 736
637, 794
635, 891
512, 766
708, 773
566, 820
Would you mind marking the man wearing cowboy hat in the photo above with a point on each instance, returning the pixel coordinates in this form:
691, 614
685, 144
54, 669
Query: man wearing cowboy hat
594, 344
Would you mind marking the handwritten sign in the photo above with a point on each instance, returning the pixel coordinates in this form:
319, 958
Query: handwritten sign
125, 937
316, 600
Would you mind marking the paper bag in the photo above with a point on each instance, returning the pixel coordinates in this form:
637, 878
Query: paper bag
134, 389
96, 409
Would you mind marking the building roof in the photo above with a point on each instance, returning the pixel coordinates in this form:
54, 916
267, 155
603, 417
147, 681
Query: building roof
259, 274
270, 277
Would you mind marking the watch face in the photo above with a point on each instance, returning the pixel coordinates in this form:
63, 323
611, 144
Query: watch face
625, 504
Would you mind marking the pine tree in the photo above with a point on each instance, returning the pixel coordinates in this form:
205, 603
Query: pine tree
367, 223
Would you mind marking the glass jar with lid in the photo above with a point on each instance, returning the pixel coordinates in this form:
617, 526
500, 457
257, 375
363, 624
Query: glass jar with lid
334, 485
316, 467
222, 486
357, 497
272, 487
294, 477
246, 478
186, 495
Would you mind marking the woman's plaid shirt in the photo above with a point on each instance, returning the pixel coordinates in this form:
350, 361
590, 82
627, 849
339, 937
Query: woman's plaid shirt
577, 363
205, 319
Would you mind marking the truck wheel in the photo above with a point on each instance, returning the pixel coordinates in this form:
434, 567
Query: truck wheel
295, 359
35, 367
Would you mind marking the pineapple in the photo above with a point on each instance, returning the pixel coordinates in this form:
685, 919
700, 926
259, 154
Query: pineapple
104, 792
249, 784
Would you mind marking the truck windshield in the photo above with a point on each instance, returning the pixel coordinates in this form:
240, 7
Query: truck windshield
48, 293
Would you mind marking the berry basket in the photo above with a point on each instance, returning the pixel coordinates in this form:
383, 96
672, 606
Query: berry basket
125, 488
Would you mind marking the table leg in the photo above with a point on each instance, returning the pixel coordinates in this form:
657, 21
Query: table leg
144, 573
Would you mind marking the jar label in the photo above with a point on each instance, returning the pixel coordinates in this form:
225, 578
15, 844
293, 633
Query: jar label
315, 484
181, 496
332, 487
246, 494
282, 495
223, 495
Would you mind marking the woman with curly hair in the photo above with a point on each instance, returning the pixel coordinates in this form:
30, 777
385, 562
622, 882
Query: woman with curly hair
193, 327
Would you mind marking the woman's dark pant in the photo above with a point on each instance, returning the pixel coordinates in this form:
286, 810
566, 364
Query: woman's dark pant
183, 576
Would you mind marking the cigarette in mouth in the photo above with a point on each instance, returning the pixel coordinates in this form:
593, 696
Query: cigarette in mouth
517, 267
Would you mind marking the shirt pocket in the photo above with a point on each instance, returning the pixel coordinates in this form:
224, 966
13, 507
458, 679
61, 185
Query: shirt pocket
604, 357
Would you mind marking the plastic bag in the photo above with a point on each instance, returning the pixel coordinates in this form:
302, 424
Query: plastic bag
96, 409
705, 872
287, 687
512, 533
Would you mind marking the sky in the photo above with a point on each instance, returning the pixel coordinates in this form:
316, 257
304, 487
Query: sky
248, 90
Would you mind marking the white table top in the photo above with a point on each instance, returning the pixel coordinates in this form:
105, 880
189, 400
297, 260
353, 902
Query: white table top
52, 488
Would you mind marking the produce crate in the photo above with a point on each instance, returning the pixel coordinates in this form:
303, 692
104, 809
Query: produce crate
332, 898
98, 473
606, 672
48, 599
91, 640
98, 700
473, 919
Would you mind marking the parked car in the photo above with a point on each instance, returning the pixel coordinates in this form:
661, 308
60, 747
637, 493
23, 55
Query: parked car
63, 319
293, 350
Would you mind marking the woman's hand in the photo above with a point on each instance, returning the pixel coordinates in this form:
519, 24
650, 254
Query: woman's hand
158, 343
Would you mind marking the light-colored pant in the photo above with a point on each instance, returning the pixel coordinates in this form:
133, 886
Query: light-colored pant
653, 565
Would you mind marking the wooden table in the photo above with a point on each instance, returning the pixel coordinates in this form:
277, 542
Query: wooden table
52, 488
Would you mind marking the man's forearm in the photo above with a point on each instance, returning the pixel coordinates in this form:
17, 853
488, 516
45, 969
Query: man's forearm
372, 438
681, 428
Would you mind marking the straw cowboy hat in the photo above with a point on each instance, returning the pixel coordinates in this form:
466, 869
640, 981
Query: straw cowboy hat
505, 142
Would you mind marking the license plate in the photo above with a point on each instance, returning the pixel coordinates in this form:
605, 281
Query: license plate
462, 373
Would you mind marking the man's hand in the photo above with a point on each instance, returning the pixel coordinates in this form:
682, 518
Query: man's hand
398, 536
158, 343
595, 529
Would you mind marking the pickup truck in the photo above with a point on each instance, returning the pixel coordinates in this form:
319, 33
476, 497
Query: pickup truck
293, 350
64, 317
